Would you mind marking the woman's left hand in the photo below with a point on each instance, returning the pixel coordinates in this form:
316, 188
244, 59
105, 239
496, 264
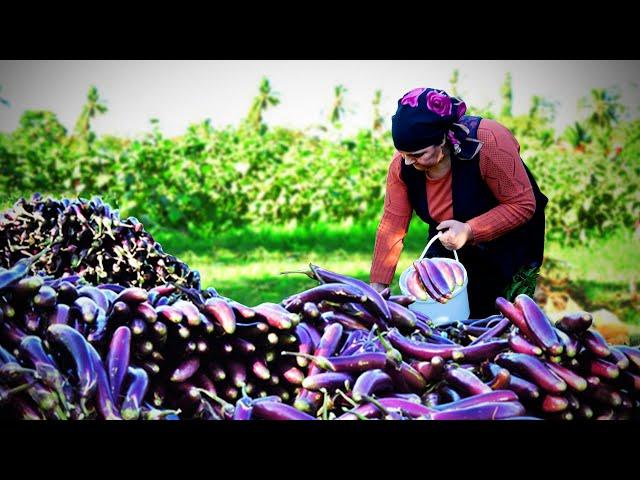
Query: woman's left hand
456, 236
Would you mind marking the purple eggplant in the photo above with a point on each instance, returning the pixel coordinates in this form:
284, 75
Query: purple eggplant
359, 362
416, 287
447, 272
402, 317
633, 354
189, 312
430, 370
373, 300
146, 311
575, 322
532, 369
494, 396
422, 350
133, 296
570, 343
464, 380
85, 309
333, 292
185, 370
573, 380
138, 385
278, 411
78, 348
305, 344
482, 352
220, 312
60, 314
485, 411
423, 276
45, 298
595, 343
510, 311
260, 369
329, 380
106, 404
328, 344
519, 344
242, 310
96, 295
554, 403
118, 359
370, 382
618, 358
602, 368
493, 332
539, 325
346, 320
404, 300
438, 280
32, 349
388, 403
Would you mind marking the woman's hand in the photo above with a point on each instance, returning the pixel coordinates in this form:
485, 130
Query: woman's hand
456, 236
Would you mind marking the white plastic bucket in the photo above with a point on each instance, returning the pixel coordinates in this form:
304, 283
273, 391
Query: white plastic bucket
456, 308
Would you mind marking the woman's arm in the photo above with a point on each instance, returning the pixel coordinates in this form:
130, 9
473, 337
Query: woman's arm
504, 173
392, 228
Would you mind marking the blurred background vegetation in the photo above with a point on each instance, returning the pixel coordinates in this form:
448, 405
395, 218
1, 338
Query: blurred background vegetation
243, 203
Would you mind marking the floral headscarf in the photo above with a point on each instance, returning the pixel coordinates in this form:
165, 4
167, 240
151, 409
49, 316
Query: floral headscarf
423, 118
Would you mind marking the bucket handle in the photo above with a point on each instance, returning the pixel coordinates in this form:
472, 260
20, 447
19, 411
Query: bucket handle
436, 237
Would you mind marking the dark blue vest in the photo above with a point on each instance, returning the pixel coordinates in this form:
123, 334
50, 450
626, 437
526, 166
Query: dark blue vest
502, 257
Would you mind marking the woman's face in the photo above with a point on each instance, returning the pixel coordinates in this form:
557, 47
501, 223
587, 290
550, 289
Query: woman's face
426, 158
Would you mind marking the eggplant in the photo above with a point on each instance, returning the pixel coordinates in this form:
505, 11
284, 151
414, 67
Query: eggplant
402, 317
464, 380
633, 354
423, 276
595, 343
185, 370
422, 350
485, 411
532, 369
618, 358
96, 295
373, 300
133, 296
416, 287
60, 314
333, 292
554, 403
189, 312
277, 316
510, 311
118, 359
437, 278
539, 325
146, 311
329, 380
404, 300
369, 382
430, 370
105, 401
220, 312
519, 344
269, 410
577, 322
494, 396
447, 273
573, 380
493, 332
45, 298
79, 349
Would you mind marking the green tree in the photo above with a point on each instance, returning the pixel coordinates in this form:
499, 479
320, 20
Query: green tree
266, 98
577, 136
603, 107
337, 107
454, 81
378, 119
94, 106
507, 96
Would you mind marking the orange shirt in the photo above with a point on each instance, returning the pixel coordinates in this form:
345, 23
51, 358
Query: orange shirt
504, 174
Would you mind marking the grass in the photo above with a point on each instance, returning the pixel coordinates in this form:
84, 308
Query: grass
245, 264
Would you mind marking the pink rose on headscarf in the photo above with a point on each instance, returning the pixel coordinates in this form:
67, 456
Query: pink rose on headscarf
411, 98
439, 103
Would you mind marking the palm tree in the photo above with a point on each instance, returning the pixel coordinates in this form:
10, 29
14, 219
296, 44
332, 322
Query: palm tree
604, 107
266, 98
454, 81
337, 108
507, 96
577, 136
94, 106
378, 120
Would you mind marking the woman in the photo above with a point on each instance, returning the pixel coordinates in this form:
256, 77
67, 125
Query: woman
463, 176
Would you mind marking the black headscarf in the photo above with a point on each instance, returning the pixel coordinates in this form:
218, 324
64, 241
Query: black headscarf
425, 116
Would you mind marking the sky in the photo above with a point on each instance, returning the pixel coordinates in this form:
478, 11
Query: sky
179, 93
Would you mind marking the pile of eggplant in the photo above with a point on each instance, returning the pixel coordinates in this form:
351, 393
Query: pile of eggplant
87, 237
75, 348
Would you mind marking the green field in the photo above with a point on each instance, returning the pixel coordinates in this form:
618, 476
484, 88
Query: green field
245, 264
